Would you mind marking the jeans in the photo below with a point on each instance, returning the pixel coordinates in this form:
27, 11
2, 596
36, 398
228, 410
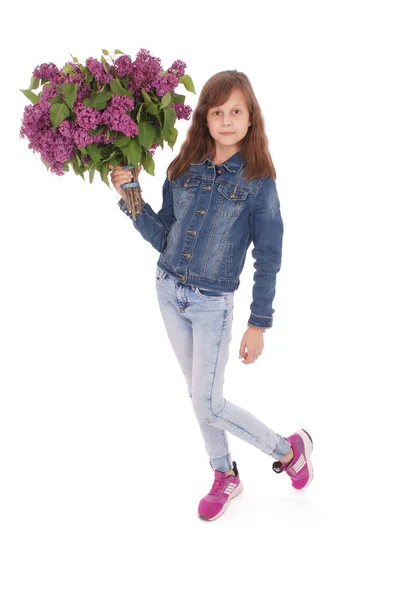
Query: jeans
199, 326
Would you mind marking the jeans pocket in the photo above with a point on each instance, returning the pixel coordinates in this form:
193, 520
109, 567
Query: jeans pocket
209, 293
160, 274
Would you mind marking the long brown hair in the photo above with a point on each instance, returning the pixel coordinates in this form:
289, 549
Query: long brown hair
199, 143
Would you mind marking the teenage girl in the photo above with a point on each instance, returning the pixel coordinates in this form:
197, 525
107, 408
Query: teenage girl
219, 196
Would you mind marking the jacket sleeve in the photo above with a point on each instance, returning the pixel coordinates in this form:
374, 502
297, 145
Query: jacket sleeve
154, 227
266, 229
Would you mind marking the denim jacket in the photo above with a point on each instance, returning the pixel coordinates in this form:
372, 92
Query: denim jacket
208, 219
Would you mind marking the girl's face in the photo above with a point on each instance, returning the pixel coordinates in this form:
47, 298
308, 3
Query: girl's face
228, 124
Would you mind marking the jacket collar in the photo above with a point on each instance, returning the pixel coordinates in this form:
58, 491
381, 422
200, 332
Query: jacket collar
233, 164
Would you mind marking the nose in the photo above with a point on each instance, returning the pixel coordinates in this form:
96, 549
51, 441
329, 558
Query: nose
226, 121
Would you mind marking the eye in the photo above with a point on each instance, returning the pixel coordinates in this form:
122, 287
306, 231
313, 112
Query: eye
215, 112
237, 111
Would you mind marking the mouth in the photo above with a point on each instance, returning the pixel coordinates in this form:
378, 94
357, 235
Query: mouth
227, 133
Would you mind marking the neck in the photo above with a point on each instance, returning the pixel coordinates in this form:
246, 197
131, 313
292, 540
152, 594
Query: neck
222, 153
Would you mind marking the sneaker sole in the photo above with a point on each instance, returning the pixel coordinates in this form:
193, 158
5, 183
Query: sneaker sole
308, 444
235, 493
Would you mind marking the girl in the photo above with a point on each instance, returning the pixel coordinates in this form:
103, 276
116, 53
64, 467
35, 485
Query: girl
219, 196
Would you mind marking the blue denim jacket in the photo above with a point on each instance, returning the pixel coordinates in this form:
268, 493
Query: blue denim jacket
208, 219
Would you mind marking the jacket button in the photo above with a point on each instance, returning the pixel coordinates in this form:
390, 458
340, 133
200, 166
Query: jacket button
186, 184
201, 211
187, 255
232, 195
192, 231
219, 171
181, 277
207, 188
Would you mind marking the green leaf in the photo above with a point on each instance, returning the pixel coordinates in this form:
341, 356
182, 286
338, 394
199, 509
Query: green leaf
178, 98
70, 94
75, 60
105, 52
88, 74
31, 96
152, 109
56, 100
149, 164
169, 119
58, 112
92, 172
104, 172
171, 137
188, 83
118, 52
158, 138
121, 140
34, 83
116, 159
165, 101
118, 89
94, 152
97, 130
100, 100
138, 114
132, 152
146, 97
146, 134
68, 68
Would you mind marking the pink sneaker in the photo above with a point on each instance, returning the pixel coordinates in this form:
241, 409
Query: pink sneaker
300, 467
223, 490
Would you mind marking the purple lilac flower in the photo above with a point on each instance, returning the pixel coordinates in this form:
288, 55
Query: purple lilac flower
87, 117
36, 118
100, 138
63, 148
68, 128
82, 138
54, 147
46, 71
76, 68
164, 84
119, 120
84, 91
49, 91
144, 71
153, 148
122, 102
183, 111
179, 67
97, 69
124, 65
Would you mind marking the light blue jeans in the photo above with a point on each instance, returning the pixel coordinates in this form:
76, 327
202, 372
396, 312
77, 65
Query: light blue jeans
199, 325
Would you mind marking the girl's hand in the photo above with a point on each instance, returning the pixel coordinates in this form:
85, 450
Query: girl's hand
119, 175
251, 346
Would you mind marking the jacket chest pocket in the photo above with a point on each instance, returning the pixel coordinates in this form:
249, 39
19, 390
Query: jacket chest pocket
232, 199
184, 189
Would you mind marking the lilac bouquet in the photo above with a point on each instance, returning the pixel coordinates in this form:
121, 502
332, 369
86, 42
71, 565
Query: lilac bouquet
113, 111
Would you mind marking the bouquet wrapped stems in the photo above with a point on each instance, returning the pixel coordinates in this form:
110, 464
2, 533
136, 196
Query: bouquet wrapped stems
133, 193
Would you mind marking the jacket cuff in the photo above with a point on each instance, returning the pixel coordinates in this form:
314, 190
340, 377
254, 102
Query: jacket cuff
259, 321
123, 206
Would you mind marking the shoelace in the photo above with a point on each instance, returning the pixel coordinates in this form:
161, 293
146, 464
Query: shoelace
217, 486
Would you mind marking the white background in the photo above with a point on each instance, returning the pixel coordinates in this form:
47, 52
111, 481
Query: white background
102, 463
